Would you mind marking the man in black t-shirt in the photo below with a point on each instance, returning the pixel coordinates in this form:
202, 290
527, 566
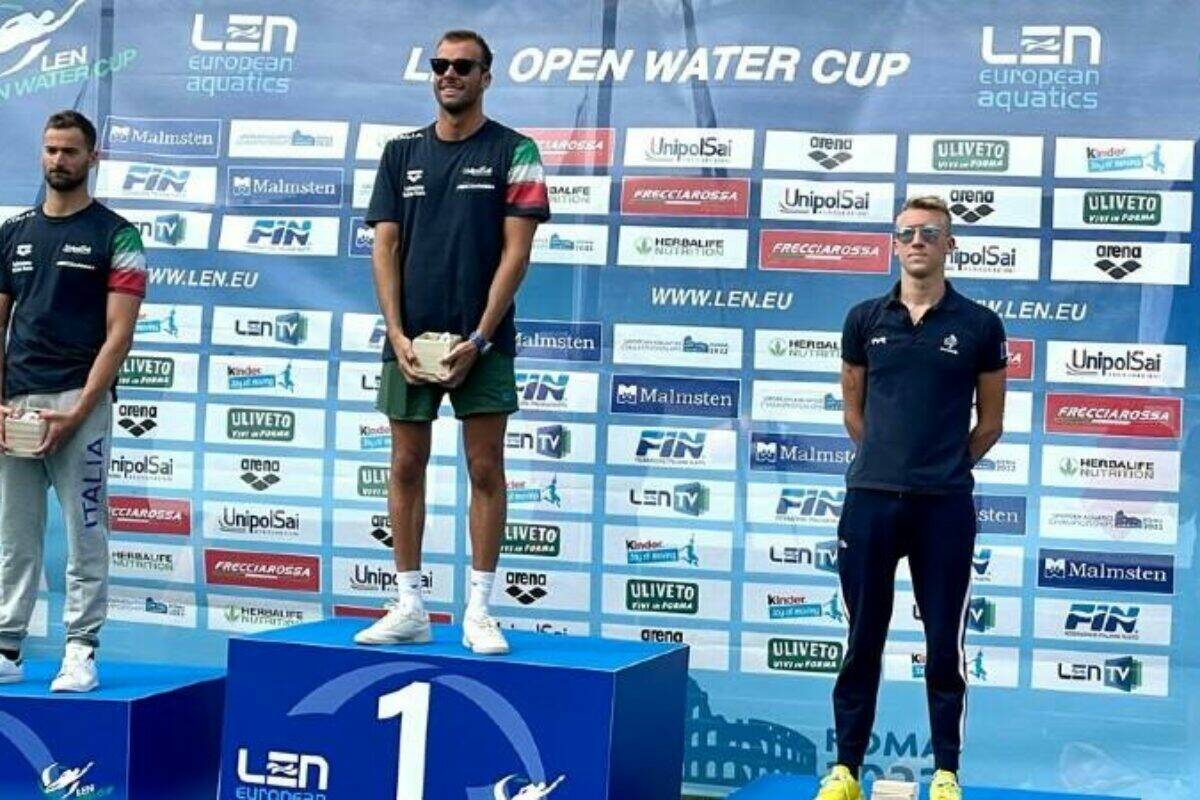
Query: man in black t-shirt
914, 360
72, 278
454, 208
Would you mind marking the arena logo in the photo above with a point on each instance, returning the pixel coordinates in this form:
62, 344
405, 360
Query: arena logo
254, 55
261, 474
830, 152
281, 571
150, 515
825, 251
25, 40
526, 587
972, 205
1114, 415
1048, 67
685, 197
161, 137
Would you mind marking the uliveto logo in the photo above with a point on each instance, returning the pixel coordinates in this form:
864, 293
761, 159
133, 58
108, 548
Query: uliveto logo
283, 571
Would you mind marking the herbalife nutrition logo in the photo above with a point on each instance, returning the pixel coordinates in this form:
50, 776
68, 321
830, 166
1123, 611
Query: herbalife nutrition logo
261, 425
664, 597
147, 372
1122, 208
804, 655
970, 155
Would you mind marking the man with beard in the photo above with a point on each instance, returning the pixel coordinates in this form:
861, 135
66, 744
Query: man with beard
72, 278
454, 209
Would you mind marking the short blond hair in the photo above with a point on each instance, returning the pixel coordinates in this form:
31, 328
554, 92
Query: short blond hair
928, 202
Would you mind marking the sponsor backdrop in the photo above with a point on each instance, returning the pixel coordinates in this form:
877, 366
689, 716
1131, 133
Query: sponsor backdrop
722, 177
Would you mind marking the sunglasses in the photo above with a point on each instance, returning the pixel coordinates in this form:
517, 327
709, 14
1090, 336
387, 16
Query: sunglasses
929, 233
462, 66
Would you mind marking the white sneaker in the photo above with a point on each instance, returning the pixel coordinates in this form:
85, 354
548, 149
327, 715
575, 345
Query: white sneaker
482, 636
397, 626
11, 671
78, 671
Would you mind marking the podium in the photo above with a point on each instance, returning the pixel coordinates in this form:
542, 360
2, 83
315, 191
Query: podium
798, 787
309, 713
149, 732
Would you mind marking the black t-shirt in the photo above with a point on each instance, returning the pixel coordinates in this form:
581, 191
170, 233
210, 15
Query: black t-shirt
58, 272
450, 199
920, 387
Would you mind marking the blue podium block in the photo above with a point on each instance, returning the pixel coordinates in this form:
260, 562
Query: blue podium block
796, 787
149, 732
310, 714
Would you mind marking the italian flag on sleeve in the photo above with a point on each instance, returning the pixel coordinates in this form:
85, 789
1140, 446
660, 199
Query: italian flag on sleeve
526, 195
127, 263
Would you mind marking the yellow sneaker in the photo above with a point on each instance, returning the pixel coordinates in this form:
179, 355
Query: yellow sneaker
945, 786
839, 784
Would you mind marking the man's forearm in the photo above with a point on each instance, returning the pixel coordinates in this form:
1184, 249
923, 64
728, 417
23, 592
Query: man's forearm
981, 440
504, 287
103, 373
386, 271
854, 427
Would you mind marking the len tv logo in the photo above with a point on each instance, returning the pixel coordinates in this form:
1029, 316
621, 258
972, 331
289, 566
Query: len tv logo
290, 328
168, 229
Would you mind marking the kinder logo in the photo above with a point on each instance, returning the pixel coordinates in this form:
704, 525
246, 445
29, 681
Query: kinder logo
1118, 572
689, 397
1020, 359
167, 138
559, 341
1000, 514
686, 197
150, 515
282, 571
1114, 415
825, 251
573, 147
826, 455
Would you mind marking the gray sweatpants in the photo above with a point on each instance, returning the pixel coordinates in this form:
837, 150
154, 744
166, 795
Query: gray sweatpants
78, 471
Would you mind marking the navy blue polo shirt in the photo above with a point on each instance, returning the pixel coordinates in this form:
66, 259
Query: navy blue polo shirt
920, 388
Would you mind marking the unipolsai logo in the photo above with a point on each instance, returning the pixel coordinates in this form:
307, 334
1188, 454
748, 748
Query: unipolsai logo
59, 783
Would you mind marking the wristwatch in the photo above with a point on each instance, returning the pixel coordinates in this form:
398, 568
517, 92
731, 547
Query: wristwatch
481, 344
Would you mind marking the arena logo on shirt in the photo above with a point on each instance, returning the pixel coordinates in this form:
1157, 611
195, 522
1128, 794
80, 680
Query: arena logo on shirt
161, 137
573, 147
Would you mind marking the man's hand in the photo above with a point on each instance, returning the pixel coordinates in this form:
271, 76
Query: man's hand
459, 363
59, 427
406, 358
5, 413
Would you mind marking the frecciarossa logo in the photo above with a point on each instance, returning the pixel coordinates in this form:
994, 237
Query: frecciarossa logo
283, 571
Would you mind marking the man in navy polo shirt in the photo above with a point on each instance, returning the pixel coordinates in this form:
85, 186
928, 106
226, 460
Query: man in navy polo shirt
914, 360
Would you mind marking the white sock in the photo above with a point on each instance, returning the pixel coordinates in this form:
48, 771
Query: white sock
481, 592
408, 585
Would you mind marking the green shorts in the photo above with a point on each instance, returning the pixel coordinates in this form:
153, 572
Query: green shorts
490, 388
